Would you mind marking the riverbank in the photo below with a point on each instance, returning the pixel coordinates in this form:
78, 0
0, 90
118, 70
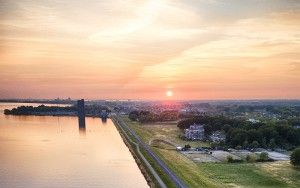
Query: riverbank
133, 150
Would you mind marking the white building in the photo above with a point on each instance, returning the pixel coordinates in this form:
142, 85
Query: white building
195, 132
217, 136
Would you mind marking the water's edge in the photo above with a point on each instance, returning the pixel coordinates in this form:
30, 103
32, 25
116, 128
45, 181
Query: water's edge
136, 157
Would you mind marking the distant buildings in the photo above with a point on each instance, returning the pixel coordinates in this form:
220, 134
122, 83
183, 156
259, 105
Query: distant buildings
253, 120
217, 136
195, 132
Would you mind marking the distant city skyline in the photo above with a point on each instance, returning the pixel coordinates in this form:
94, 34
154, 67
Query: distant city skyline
152, 49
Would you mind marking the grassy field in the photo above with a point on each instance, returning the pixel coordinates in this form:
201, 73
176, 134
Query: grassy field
168, 132
282, 170
276, 174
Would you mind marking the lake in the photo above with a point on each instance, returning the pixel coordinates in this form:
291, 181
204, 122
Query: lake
48, 151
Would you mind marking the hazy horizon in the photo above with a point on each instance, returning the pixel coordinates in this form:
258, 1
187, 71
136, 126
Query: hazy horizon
150, 50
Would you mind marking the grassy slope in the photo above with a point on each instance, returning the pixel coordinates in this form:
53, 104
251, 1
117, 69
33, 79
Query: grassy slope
216, 174
282, 170
158, 170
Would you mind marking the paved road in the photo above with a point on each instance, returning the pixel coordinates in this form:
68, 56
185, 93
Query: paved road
166, 169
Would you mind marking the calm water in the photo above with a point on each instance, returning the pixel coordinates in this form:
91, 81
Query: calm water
46, 151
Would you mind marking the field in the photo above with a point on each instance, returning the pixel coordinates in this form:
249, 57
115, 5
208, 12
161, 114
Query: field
168, 132
275, 174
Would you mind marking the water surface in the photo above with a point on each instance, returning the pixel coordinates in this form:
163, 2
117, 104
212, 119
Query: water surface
47, 151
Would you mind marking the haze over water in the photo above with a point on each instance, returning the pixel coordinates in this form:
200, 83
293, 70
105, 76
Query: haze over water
46, 151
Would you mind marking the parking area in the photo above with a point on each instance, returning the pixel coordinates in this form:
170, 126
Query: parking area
222, 156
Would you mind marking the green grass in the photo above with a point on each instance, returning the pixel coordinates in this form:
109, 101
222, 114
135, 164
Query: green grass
187, 170
282, 170
276, 174
168, 182
243, 175
157, 168
169, 132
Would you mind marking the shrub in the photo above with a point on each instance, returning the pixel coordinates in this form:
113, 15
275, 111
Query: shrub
238, 147
229, 159
250, 158
295, 157
264, 156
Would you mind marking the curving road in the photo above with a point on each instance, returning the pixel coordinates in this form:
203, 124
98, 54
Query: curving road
166, 169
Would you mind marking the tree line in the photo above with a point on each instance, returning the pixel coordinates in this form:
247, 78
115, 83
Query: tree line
241, 133
149, 117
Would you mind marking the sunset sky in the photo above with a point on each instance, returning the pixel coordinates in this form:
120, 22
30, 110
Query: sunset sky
196, 49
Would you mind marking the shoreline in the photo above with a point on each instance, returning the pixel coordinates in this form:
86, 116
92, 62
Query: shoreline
137, 158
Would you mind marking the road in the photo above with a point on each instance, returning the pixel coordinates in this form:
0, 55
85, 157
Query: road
164, 167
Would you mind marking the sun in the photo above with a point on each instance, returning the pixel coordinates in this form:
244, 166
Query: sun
169, 93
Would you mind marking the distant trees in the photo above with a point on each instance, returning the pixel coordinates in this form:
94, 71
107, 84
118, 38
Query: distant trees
134, 115
148, 117
30, 110
295, 157
90, 110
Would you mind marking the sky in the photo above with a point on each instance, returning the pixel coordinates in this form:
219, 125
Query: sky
135, 49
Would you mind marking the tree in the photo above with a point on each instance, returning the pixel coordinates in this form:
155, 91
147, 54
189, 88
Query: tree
245, 144
264, 156
295, 157
254, 144
187, 146
264, 142
239, 147
272, 143
133, 115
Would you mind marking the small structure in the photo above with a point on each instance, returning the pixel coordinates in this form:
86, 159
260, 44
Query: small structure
217, 136
179, 148
104, 114
195, 132
252, 120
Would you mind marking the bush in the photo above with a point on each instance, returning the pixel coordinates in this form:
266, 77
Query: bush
264, 156
295, 157
187, 146
238, 147
229, 159
250, 158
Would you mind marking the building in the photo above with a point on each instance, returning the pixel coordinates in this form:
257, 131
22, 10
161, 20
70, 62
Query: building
253, 120
217, 136
81, 113
194, 132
